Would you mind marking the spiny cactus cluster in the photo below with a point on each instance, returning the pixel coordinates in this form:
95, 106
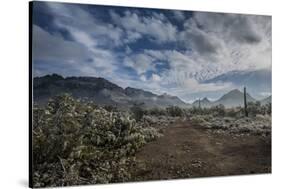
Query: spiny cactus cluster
79, 143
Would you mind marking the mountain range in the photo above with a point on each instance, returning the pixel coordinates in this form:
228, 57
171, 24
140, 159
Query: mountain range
100, 91
104, 92
256, 81
233, 98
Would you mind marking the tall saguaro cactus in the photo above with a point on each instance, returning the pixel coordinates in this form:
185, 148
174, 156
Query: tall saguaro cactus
245, 102
199, 103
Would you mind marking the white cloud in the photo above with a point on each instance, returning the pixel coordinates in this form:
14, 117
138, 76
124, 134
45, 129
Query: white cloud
132, 36
156, 26
155, 77
71, 16
62, 54
141, 63
179, 15
211, 44
240, 42
143, 78
50, 47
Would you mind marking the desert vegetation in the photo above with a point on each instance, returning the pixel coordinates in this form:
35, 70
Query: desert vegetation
78, 142
124, 94
233, 120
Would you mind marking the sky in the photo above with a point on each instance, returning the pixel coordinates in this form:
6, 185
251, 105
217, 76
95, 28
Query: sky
162, 51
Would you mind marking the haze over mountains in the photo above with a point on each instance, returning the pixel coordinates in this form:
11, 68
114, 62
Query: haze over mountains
104, 92
101, 91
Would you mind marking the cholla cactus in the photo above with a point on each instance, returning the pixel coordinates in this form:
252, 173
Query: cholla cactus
80, 143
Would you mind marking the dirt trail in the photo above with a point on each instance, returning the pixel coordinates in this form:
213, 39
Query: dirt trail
186, 151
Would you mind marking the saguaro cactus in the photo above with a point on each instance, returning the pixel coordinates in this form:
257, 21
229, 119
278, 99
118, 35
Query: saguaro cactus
245, 102
199, 103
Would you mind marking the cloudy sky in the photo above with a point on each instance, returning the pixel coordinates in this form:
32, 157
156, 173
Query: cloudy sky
163, 51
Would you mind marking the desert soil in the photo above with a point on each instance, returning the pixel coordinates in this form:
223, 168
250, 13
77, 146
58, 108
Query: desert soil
189, 151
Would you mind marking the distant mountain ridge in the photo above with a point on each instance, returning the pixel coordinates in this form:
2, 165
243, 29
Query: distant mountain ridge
101, 91
233, 98
104, 92
256, 81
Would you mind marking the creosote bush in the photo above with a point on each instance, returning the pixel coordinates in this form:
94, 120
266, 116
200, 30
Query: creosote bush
79, 143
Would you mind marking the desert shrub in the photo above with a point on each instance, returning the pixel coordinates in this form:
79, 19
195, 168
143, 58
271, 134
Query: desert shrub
150, 134
268, 108
156, 112
235, 112
195, 110
258, 125
110, 108
197, 119
175, 111
79, 143
254, 108
218, 110
231, 113
138, 111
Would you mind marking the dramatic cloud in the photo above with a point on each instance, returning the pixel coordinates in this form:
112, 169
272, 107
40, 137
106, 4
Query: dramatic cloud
48, 47
179, 15
156, 26
162, 51
76, 19
141, 63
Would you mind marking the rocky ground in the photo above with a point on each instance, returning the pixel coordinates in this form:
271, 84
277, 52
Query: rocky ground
187, 150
